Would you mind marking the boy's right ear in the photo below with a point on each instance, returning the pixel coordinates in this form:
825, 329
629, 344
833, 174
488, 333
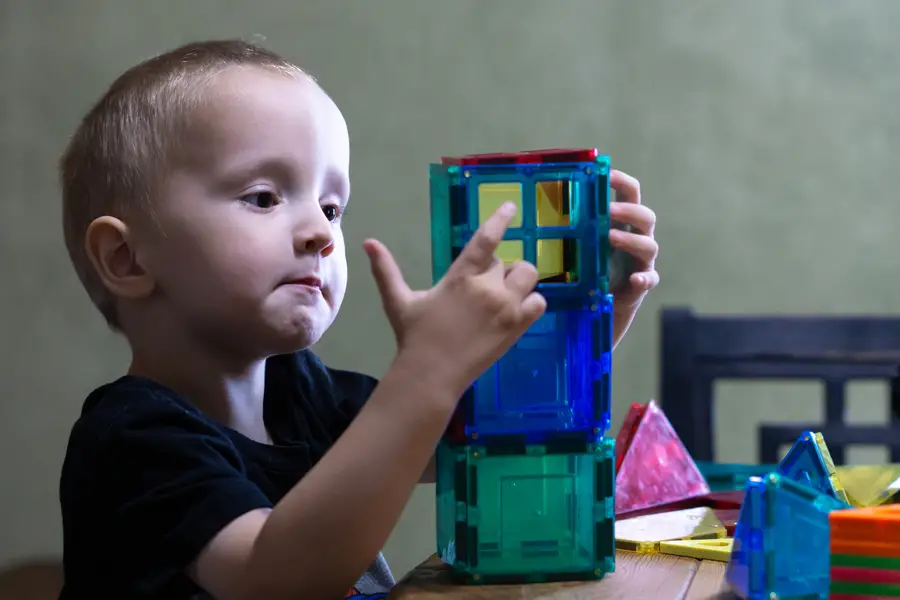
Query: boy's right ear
108, 245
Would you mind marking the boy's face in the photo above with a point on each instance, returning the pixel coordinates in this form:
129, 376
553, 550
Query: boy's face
250, 253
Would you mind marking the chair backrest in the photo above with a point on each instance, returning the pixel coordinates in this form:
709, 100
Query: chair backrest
697, 350
40, 579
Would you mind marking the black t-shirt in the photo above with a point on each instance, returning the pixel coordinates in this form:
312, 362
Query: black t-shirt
148, 480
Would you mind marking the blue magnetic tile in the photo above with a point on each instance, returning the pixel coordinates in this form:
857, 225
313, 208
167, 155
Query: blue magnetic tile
556, 378
782, 541
809, 462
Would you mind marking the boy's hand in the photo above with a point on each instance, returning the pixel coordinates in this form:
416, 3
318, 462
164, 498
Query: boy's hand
639, 243
468, 320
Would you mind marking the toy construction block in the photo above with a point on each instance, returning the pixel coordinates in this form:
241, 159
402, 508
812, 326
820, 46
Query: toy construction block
530, 517
855, 576
852, 590
873, 531
561, 226
864, 582
729, 518
656, 468
553, 385
718, 549
865, 551
626, 433
865, 562
725, 505
869, 485
809, 462
781, 542
723, 477
644, 534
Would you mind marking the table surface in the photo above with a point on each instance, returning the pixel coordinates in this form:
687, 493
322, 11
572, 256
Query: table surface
637, 577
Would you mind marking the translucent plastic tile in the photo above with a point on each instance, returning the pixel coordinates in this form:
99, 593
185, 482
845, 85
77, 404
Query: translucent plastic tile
550, 155
869, 485
865, 562
809, 462
555, 379
867, 548
643, 534
626, 433
781, 542
526, 517
728, 517
863, 575
493, 195
857, 590
562, 226
876, 525
730, 476
717, 549
656, 469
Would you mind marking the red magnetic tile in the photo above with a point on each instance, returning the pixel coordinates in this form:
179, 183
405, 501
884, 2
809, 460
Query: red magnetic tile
626, 433
550, 155
528, 157
718, 501
470, 160
657, 468
725, 500
863, 575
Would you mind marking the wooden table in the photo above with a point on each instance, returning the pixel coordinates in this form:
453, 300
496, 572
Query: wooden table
637, 577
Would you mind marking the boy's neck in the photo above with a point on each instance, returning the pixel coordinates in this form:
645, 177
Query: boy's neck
230, 394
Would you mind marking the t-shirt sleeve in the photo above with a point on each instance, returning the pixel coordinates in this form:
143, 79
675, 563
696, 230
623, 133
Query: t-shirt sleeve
171, 480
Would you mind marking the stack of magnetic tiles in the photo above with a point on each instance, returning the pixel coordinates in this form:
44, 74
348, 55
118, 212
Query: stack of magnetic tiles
865, 552
525, 471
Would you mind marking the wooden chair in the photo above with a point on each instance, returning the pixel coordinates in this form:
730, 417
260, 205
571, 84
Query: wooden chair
697, 350
40, 579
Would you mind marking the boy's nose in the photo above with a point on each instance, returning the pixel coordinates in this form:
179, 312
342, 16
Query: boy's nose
314, 233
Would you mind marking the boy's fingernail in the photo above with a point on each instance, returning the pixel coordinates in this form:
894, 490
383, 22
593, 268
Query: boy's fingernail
508, 209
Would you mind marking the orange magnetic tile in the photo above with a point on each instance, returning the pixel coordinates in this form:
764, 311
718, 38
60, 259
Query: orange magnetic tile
864, 548
876, 523
885, 512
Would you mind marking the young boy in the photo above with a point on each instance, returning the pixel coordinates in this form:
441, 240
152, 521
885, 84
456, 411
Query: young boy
202, 200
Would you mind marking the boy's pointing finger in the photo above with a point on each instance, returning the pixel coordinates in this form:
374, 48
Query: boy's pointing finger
478, 255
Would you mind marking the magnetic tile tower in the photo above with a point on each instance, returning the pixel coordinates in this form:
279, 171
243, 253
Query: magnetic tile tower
526, 473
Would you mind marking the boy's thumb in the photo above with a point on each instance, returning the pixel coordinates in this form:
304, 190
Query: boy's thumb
391, 285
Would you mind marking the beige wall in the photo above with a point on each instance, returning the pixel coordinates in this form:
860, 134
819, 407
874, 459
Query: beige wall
766, 135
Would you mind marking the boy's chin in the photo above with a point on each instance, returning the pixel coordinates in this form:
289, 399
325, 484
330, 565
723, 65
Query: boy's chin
296, 339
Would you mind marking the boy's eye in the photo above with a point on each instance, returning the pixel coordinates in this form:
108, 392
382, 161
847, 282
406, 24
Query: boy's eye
332, 212
261, 199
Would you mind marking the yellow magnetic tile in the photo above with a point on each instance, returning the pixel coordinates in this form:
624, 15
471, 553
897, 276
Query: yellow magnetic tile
492, 195
836, 483
692, 523
701, 549
638, 547
869, 485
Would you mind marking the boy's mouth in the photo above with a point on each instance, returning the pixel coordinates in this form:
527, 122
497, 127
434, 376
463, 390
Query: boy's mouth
311, 281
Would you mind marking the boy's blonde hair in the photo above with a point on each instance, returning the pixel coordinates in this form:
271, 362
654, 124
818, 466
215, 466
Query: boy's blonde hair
122, 147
